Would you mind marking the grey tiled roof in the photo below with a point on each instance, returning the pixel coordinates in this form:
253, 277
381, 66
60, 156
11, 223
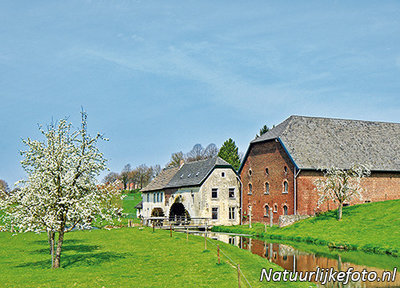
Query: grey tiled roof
315, 143
161, 180
193, 173
190, 174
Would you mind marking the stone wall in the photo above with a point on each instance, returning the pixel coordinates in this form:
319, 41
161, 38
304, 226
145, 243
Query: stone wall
286, 220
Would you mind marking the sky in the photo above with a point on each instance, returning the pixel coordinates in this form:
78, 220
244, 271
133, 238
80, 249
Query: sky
157, 77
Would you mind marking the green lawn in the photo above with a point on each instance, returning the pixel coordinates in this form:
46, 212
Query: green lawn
127, 257
372, 227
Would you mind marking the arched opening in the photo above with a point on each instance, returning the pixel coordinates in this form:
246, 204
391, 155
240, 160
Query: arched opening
157, 212
285, 210
178, 213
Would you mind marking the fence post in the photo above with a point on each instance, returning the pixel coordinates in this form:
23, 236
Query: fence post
205, 238
170, 230
187, 233
219, 261
250, 214
271, 217
238, 268
153, 226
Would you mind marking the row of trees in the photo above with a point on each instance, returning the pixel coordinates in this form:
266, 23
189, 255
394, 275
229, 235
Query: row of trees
140, 176
229, 152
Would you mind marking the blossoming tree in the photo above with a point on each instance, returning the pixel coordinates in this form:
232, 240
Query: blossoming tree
60, 193
341, 185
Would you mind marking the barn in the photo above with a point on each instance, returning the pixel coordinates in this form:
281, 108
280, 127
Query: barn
280, 167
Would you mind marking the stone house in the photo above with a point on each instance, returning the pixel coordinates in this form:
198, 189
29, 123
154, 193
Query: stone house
280, 167
202, 189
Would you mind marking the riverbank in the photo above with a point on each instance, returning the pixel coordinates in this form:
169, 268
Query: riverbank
370, 227
128, 257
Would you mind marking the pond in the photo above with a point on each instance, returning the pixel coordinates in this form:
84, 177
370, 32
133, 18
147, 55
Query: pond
295, 256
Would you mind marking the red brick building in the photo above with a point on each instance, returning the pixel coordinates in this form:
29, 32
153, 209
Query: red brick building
280, 167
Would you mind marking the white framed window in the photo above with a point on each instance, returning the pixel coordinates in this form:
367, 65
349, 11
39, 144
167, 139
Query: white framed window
161, 196
285, 210
285, 187
231, 215
214, 193
275, 208
214, 213
266, 211
266, 188
154, 197
231, 193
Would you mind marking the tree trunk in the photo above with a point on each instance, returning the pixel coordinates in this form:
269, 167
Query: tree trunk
59, 246
51, 235
339, 212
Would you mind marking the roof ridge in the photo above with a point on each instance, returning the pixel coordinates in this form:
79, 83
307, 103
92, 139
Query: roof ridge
345, 119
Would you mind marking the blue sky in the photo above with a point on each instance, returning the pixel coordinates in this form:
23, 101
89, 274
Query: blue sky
157, 77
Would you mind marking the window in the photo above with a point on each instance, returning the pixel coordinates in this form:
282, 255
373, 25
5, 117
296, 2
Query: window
285, 187
285, 168
223, 174
250, 172
266, 188
231, 240
214, 193
250, 189
285, 210
266, 171
154, 197
266, 213
148, 197
161, 196
275, 208
231, 192
231, 213
158, 197
214, 213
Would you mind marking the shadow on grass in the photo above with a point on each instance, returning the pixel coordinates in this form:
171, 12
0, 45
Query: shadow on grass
67, 241
77, 248
78, 260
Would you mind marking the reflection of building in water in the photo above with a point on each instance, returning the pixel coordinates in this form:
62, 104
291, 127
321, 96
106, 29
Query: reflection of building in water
293, 260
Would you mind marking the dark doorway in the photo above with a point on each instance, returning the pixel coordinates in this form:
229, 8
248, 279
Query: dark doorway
178, 212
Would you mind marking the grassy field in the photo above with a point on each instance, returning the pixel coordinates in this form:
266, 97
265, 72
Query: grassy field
371, 227
127, 257
130, 201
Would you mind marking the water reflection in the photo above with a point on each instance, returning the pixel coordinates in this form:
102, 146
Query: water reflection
293, 259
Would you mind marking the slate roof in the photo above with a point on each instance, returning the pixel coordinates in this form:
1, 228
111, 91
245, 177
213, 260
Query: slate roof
189, 174
161, 180
314, 142
193, 173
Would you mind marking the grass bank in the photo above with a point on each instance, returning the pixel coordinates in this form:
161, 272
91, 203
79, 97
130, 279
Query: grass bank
127, 257
370, 227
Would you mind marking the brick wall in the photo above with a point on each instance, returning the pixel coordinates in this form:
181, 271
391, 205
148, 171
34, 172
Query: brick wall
380, 186
269, 155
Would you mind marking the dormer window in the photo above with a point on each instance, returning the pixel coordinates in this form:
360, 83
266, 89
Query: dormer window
189, 175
